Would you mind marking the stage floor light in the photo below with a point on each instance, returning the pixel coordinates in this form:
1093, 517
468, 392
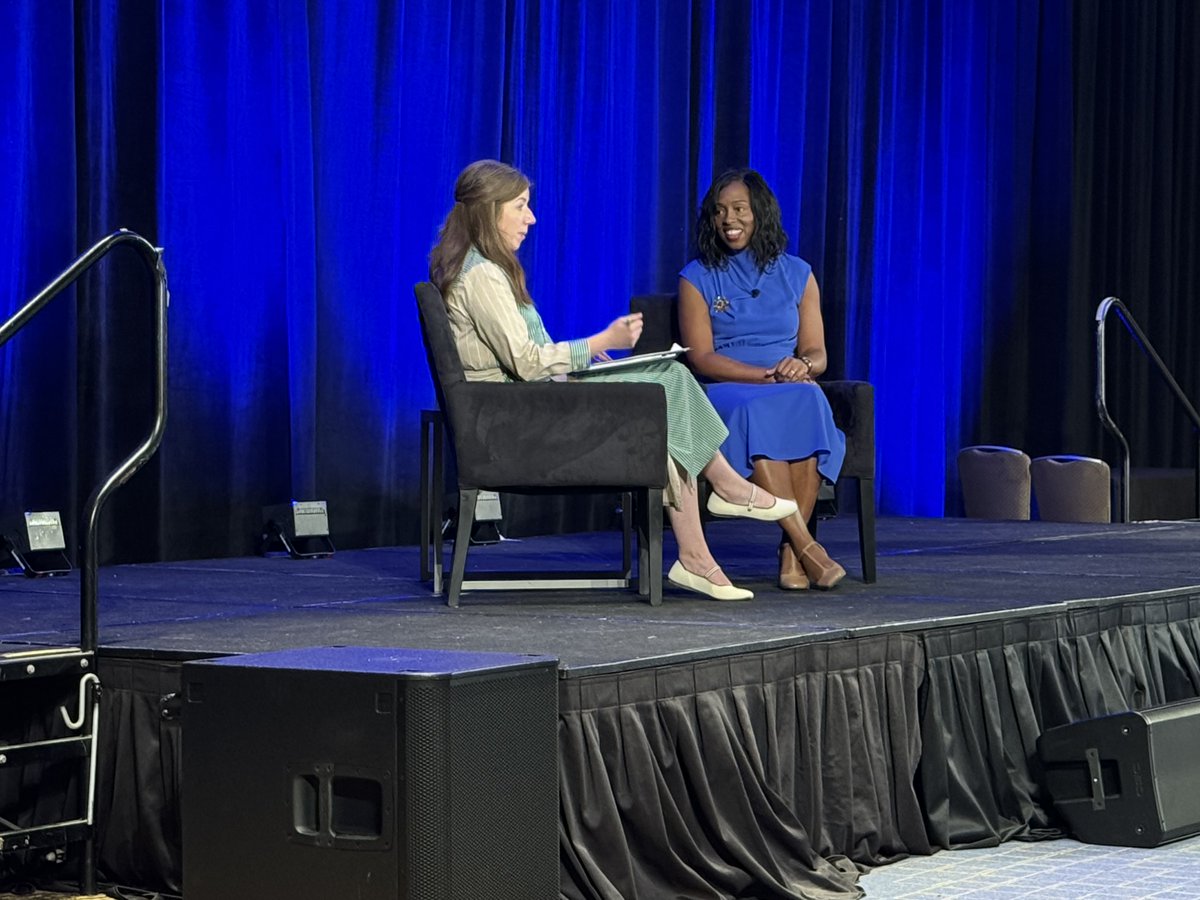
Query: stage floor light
300, 528
36, 544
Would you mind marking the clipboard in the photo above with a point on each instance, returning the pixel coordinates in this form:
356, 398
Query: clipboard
609, 365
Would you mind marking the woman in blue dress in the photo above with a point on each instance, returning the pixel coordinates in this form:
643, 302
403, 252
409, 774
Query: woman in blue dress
751, 314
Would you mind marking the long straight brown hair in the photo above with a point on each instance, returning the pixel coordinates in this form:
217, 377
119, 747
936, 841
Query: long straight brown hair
481, 189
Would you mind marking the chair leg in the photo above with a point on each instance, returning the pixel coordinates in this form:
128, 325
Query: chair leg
627, 534
437, 504
866, 527
462, 540
654, 544
643, 542
426, 500
703, 490
432, 496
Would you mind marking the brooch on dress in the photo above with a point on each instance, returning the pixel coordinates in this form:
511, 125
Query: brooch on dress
720, 305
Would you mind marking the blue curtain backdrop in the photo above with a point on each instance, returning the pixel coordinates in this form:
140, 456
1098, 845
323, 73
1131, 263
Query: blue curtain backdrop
939, 163
37, 239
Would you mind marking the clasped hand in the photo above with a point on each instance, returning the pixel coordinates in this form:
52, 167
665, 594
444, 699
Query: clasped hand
790, 369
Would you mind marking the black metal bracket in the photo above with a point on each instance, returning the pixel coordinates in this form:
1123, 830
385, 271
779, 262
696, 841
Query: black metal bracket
274, 537
34, 563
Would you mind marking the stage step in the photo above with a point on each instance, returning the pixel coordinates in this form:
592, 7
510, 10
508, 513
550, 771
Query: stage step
1159, 493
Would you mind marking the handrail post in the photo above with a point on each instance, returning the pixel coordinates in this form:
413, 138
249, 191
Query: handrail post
1126, 317
88, 617
88, 597
1102, 406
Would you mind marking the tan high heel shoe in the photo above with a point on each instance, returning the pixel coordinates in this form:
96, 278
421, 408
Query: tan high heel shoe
823, 572
791, 574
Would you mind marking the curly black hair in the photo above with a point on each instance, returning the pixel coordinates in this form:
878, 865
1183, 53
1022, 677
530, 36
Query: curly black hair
769, 240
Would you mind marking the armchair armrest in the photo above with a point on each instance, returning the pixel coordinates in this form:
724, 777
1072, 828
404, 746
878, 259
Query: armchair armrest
560, 435
853, 405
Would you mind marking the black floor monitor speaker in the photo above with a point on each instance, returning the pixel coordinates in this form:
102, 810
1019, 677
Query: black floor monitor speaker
1130, 779
370, 773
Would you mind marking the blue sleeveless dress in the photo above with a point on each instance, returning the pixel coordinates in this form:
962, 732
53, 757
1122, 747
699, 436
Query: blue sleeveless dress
756, 320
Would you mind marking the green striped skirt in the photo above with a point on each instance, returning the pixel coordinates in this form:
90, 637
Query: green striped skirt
694, 430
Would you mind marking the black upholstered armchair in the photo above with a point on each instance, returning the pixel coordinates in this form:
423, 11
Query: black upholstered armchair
541, 437
853, 404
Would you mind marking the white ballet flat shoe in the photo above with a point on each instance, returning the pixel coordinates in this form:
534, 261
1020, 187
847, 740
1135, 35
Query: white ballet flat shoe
701, 585
780, 509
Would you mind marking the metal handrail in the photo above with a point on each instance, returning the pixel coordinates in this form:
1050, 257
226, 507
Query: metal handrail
153, 258
1106, 306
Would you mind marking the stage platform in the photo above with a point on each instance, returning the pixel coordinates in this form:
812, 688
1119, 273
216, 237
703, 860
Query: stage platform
859, 725
932, 572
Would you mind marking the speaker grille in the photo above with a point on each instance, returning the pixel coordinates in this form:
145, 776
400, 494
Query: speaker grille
427, 790
1173, 742
483, 798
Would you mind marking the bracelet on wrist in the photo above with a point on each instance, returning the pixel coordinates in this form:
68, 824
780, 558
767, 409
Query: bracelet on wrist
808, 363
